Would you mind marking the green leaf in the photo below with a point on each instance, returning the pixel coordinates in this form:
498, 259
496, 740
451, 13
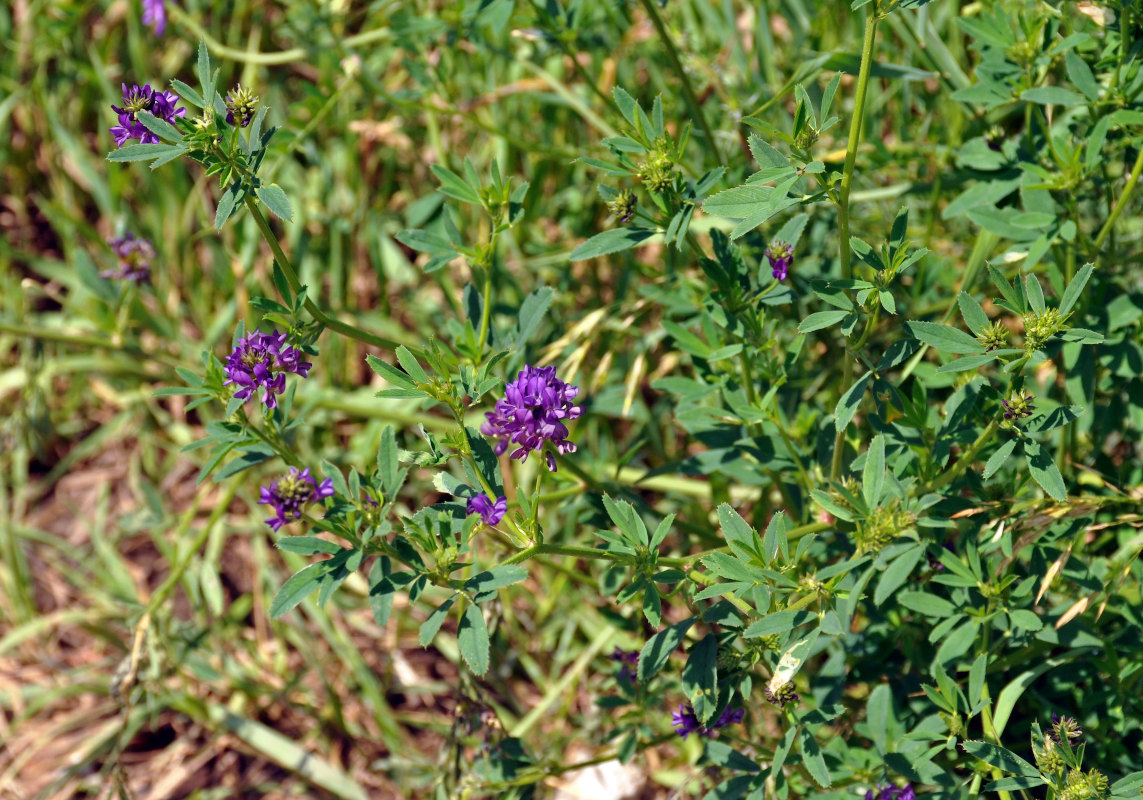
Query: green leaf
144, 152
997, 459
927, 604
410, 364
1081, 336
1056, 418
307, 545
1012, 784
531, 313
723, 755
159, 127
897, 573
202, 68
299, 585
454, 186
812, 758
275, 199
873, 476
735, 528
226, 204
847, 405
1044, 470
1075, 288
1051, 95
945, 337
495, 578
381, 590
472, 639
973, 314
626, 104
659, 648
389, 372
966, 363
613, 241
388, 465
700, 678
998, 757
821, 319
778, 622
1128, 785
1035, 293
432, 625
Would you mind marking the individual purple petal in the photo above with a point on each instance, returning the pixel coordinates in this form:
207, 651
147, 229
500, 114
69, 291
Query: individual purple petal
490, 513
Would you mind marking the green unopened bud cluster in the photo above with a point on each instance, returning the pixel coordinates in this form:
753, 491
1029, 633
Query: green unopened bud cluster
241, 105
1049, 759
623, 205
1080, 785
657, 171
882, 526
994, 337
1039, 328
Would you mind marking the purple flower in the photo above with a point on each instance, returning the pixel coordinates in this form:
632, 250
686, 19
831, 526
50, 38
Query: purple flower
241, 104
134, 259
136, 99
155, 15
782, 696
532, 412
262, 360
290, 493
629, 661
890, 792
489, 512
685, 722
1018, 406
1065, 727
781, 255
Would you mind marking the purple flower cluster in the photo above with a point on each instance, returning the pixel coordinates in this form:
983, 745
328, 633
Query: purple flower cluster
136, 99
1018, 407
891, 792
533, 411
685, 722
134, 259
490, 513
1065, 727
155, 15
780, 255
782, 696
262, 360
629, 663
290, 493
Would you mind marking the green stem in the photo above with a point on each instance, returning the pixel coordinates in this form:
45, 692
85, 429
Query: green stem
93, 342
485, 312
1121, 203
966, 458
280, 57
688, 90
325, 319
855, 126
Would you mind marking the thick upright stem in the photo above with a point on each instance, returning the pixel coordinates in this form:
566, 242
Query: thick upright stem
845, 252
688, 90
1122, 202
325, 319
